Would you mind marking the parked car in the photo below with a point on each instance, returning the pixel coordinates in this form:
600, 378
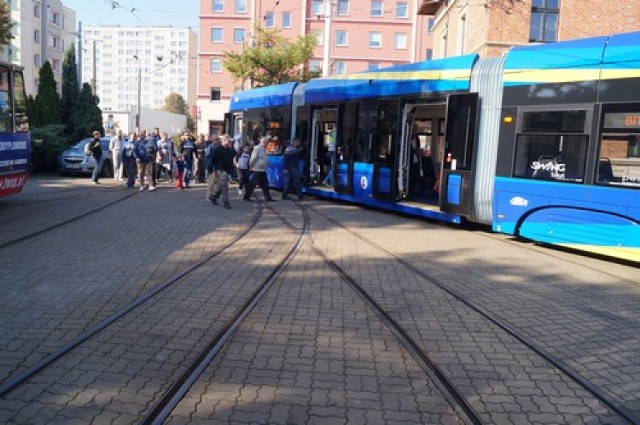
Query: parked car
75, 161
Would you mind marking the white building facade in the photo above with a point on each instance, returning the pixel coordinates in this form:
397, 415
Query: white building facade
43, 30
113, 57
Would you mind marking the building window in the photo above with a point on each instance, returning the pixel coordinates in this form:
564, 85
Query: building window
54, 42
36, 10
376, 9
400, 40
55, 65
270, 20
218, 6
286, 19
36, 36
375, 40
36, 61
402, 10
216, 65
54, 17
315, 65
238, 35
462, 34
319, 38
544, 20
216, 94
343, 7
339, 67
428, 54
241, 6
316, 7
430, 23
372, 66
341, 38
216, 35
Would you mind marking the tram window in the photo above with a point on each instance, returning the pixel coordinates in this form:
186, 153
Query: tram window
619, 160
276, 143
554, 121
5, 102
387, 127
362, 147
551, 157
619, 149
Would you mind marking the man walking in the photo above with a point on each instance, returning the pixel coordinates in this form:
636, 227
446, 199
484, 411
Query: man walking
258, 165
221, 164
95, 149
290, 162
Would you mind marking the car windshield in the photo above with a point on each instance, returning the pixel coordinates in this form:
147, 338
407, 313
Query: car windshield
80, 144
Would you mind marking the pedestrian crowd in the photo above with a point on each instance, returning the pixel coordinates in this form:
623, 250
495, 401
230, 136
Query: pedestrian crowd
149, 158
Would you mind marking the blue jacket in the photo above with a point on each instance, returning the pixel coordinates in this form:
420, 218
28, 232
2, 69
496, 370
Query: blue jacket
140, 152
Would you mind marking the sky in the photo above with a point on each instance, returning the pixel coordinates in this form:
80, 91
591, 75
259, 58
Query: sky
177, 13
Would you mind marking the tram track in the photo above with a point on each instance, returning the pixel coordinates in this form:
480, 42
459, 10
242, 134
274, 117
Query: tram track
170, 399
64, 222
455, 398
15, 381
627, 415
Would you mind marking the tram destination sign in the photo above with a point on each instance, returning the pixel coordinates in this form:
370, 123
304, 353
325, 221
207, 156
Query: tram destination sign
622, 120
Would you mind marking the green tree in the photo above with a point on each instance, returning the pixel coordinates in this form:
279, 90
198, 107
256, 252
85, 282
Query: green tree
70, 86
86, 117
272, 59
46, 143
175, 103
48, 109
6, 25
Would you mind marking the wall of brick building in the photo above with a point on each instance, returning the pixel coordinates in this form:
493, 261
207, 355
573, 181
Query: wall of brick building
585, 18
494, 26
615, 148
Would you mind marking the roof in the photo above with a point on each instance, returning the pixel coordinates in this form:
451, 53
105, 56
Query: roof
430, 7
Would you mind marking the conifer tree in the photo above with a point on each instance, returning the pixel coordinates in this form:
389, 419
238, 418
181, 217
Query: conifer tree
70, 86
87, 117
48, 110
6, 24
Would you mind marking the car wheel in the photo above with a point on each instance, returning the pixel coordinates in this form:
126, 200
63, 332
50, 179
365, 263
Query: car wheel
107, 169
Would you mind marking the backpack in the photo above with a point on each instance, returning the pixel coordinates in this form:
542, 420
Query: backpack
243, 161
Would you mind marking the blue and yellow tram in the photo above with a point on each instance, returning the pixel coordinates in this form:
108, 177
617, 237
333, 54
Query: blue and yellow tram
15, 140
542, 143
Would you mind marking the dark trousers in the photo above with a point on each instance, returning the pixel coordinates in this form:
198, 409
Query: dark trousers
258, 178
130, 169
243, 178
292, 183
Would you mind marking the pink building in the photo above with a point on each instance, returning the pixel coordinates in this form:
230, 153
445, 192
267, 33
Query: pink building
363, 34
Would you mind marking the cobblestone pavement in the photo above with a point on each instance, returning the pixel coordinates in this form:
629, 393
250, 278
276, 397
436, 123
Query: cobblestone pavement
311, 351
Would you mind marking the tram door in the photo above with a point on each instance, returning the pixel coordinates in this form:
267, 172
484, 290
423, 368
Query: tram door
323, 134
303, 132
345, 144
457, 165
384, 167
420, 140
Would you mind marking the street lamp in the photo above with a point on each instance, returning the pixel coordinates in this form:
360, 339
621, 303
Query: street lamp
139, 89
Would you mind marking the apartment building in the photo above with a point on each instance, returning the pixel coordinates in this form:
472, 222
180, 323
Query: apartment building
113, 57
361, 35
491, 27
44, 30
